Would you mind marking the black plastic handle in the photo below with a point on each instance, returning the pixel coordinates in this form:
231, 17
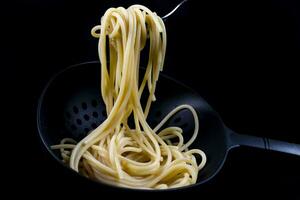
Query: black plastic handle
263, 143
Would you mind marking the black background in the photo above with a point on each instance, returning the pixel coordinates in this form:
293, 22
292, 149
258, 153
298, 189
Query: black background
243, 58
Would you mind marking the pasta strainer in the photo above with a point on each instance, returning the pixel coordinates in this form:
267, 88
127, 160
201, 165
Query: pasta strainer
71, 106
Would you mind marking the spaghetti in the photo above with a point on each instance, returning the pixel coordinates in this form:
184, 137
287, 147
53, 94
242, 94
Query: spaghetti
139, 156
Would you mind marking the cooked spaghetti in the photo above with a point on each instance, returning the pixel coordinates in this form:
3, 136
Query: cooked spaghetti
138, 156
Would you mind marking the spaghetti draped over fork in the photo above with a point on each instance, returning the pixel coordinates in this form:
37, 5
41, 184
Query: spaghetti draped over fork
116, 153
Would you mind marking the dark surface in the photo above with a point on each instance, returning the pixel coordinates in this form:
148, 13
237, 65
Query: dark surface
245, 66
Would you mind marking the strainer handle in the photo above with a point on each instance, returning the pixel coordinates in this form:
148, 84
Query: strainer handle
236, 140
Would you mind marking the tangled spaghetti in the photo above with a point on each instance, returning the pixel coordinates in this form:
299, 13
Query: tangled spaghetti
139, 156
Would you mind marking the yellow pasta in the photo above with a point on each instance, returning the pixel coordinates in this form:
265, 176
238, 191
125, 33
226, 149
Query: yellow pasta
139, 156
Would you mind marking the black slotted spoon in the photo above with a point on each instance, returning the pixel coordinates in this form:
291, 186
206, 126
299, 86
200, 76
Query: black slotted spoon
71, 106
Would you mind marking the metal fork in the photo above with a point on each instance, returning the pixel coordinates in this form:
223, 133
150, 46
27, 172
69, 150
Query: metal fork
170, 13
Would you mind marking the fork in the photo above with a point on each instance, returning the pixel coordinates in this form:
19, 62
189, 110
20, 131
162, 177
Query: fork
172, 11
